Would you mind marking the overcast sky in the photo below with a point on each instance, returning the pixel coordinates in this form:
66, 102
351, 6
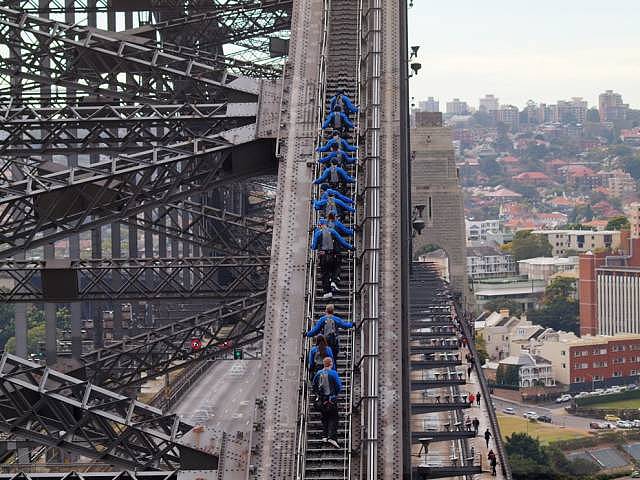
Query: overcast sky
518, 50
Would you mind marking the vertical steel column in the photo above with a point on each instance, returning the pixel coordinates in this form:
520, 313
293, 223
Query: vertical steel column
372, 241
405, 232
50, 317
20, 322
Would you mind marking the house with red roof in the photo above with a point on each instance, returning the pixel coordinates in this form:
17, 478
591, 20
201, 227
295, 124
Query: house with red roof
581, 176
533, 179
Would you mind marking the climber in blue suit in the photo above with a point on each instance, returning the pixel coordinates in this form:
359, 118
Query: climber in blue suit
333, 175
339, 155
331, 204
326, 191
338, 120
337, 139
343, 102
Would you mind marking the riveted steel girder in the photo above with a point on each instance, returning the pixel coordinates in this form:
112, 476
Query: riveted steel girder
91, 61
211, 278
49, 197
28, 131
167, 348
40, 404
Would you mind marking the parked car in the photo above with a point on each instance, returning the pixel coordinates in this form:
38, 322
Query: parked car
611, 418
544, 418
636, 423
563, 398
624, 424
598, 391
632, 386
531, 415
595, 425
635, 474
582, 395
509, 411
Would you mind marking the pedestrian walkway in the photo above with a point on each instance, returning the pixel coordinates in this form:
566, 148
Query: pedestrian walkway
480, 412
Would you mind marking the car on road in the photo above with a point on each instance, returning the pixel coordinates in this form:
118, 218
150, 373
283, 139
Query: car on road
563, 398
611, 418
531, 415
582, 395
509, 411
635, 474
624, 424
544, 418
636, 423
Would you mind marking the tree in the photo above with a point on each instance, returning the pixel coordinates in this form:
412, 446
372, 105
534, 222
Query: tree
7, 327
481, 348
617, 223
520, 443
631, 165
508, 375
529, 245
502, 303
560, 310
582, 213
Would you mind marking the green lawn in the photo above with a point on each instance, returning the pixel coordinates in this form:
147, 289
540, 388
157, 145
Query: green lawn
631, 403
544, 431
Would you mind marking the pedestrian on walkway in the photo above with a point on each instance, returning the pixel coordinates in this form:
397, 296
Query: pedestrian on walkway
469, 372
478, 396
327, 386
468, 423
493, 462
487, 436
476, 425
472, 398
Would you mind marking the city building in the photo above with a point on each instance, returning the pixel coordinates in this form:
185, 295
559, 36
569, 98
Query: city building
488, 104
429, 105
554, 346
483, 231
533, 371
563, 241
497, 331
543, 268
533, 179
509, 115
604, 361
427, 119
611, 107
577, 176
521, 290
574, 110
631, 136
620, 183
457, 107
633, 214
609, 290
486, 262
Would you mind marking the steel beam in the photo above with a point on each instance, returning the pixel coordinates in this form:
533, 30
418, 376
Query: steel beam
165, 349
92, 61
211, 278
108, 129
70, 200
57, 410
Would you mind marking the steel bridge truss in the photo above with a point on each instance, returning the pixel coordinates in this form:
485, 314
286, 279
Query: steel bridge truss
57, 410
208, 278
50, 197
44, 51
133, 360
28, 131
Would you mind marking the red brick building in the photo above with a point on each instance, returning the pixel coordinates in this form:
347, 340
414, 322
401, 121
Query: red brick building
600, 362
609, 290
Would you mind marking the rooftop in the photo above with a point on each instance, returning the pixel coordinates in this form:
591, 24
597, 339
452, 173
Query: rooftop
577, 232
550, 261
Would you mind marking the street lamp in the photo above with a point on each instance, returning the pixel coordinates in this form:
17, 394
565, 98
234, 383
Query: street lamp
417, 222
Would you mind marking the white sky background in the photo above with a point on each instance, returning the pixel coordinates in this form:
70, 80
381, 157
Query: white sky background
542, 50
